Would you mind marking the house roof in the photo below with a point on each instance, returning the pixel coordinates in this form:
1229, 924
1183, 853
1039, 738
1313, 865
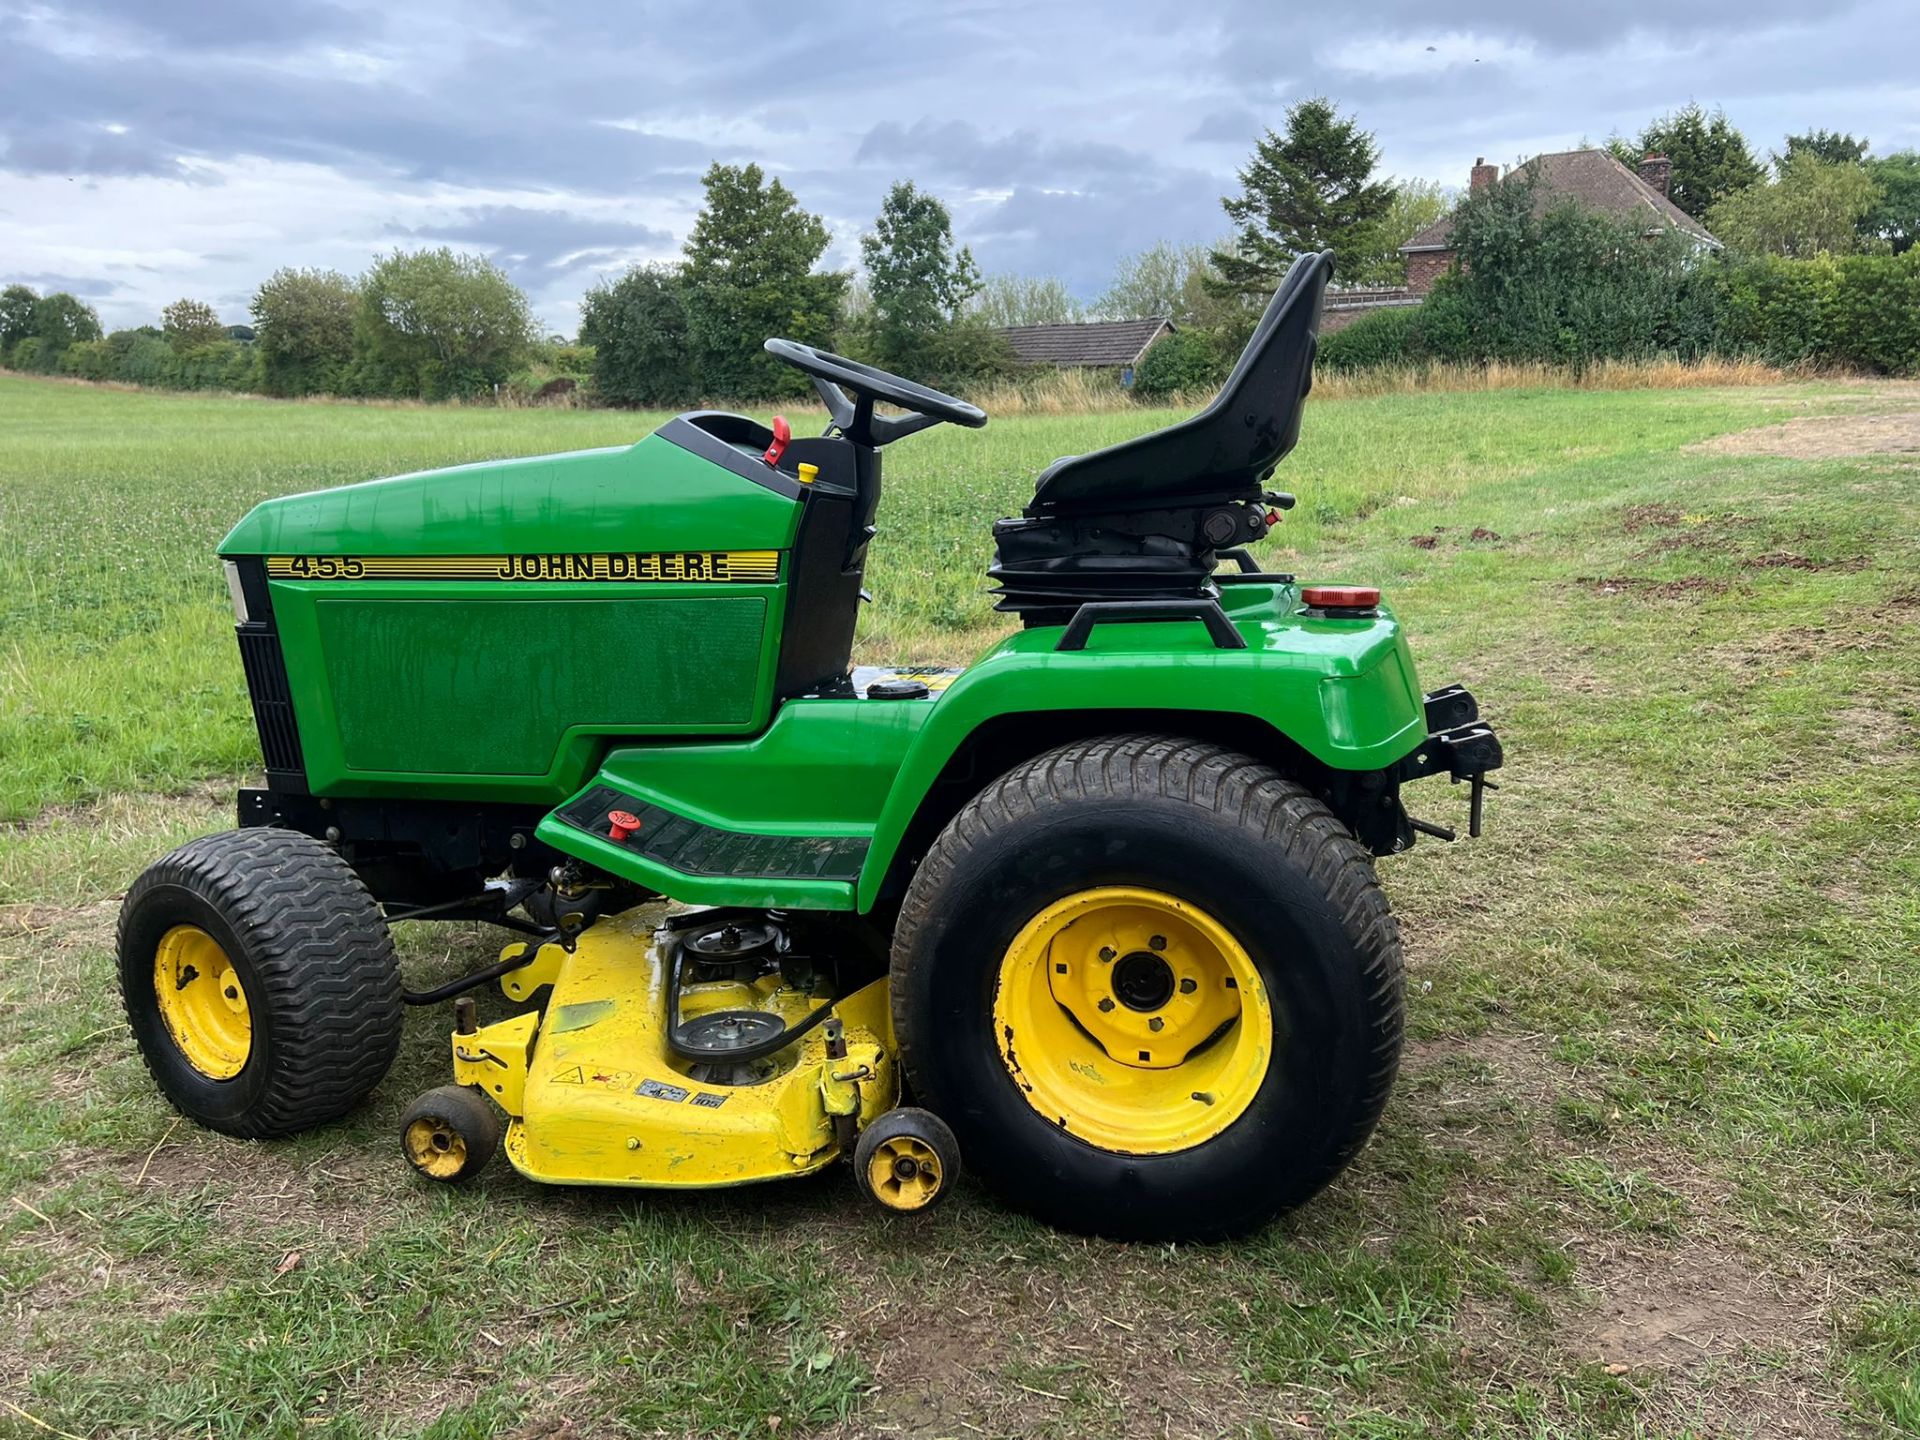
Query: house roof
1594, 178
1098, 342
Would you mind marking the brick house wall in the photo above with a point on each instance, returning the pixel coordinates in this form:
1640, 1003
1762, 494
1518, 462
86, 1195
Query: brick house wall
1426, 266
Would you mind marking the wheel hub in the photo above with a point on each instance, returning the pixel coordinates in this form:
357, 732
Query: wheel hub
1143, 981
202, 1002
1133, 1020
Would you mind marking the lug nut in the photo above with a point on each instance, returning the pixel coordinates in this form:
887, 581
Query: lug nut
1156, 1024
1156, 942
1188, 985
1107, 952
1106, 1005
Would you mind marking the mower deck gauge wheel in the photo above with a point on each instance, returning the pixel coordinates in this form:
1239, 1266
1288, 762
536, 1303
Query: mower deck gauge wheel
907, 1160
449, 1134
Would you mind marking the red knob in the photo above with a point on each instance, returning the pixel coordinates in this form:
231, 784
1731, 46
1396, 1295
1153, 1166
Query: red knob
621, 824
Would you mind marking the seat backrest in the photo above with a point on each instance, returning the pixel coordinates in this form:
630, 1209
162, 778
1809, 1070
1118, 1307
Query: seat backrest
1228, 449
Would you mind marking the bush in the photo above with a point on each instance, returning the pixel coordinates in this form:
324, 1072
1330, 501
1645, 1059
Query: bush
1777, 309
1183, 361
30, 354
1876, 313
89, 360
636, 330
1385, 337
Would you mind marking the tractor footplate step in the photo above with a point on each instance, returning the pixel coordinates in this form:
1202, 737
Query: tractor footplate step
695, 849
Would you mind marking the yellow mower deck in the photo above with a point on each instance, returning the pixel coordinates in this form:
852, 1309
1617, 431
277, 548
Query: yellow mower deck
596, 1097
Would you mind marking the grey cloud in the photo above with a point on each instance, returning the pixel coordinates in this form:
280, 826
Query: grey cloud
92, 151
532, 245
219, 24
1106, 127
1238, 126
958, 150
87, 287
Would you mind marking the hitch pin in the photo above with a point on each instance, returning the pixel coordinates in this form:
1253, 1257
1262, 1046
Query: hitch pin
1480, 786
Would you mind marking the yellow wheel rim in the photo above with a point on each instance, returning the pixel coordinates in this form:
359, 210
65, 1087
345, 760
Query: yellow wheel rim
435, 1148
1133, 1020
904, 1173
202, 1002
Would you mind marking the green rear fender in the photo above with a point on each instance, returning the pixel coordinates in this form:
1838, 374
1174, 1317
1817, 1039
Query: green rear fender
1343, 691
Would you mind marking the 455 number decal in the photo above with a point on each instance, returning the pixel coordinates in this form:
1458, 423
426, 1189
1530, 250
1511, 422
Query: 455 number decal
748, 567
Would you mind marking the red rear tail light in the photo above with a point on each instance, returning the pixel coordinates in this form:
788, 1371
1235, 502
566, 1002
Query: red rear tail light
1340, 597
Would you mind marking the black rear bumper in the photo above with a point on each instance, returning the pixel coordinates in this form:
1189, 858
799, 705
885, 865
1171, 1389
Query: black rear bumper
1459, 745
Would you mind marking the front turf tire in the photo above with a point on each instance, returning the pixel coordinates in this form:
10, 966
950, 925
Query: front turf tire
283, 1008
1252, 873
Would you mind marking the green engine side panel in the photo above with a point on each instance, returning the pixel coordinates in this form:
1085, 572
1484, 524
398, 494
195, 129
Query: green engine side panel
443, 686
453, 686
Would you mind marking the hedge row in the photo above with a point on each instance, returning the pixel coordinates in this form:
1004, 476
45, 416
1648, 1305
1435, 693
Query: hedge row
1856, 312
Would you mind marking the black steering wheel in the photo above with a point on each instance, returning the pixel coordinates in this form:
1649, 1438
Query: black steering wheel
835, 375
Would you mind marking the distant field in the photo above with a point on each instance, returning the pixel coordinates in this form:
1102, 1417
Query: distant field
118, 669
1651, 1168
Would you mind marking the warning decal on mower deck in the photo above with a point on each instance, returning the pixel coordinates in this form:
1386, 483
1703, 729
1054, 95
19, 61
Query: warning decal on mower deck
753, 567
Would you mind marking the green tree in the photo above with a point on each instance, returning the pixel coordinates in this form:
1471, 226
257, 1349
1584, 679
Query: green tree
1710, 158
1814, 208
1835, 147
60, 320
1185, 362
1177, 281
749, 275
1416, 204
303, 323
191, 325
1025, 300
436, 323
1309, 189
1895, 220
637, 326
917, 277
17, 304
1567, 287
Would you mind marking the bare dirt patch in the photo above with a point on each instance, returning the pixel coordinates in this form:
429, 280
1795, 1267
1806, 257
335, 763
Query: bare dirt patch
1645, 517
1824, 437
1686, 587
1749, 1344
962, 1365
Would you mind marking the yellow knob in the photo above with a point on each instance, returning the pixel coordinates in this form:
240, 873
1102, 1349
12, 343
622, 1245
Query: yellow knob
809, 474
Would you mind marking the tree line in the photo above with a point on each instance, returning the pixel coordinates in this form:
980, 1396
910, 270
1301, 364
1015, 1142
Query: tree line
1819, 265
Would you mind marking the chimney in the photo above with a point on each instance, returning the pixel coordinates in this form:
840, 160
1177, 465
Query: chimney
1482, 174
1657, 171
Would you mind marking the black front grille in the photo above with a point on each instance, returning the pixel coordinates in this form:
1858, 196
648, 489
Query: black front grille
266, 671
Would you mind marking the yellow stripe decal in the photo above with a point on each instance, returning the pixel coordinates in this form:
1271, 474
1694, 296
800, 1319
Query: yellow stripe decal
751, 567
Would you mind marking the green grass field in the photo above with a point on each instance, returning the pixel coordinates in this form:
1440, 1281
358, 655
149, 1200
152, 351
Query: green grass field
1651, 1168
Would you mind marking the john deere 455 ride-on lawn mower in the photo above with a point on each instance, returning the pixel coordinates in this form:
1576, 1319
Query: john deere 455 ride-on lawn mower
1103, 902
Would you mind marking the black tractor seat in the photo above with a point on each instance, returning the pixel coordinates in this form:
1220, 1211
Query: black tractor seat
1146, 518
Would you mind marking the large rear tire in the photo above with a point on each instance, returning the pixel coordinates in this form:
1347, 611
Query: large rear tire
260, 982
1153, 985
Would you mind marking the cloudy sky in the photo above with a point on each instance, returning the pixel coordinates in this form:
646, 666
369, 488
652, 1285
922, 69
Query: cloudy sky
156, 148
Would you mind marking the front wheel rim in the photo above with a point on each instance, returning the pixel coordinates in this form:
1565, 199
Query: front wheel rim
1132, 1020
202, 1002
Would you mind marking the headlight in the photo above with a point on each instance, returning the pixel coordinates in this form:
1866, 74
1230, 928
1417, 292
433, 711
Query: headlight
235, 589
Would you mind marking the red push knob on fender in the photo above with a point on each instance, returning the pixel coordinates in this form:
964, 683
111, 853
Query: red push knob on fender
621, 824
